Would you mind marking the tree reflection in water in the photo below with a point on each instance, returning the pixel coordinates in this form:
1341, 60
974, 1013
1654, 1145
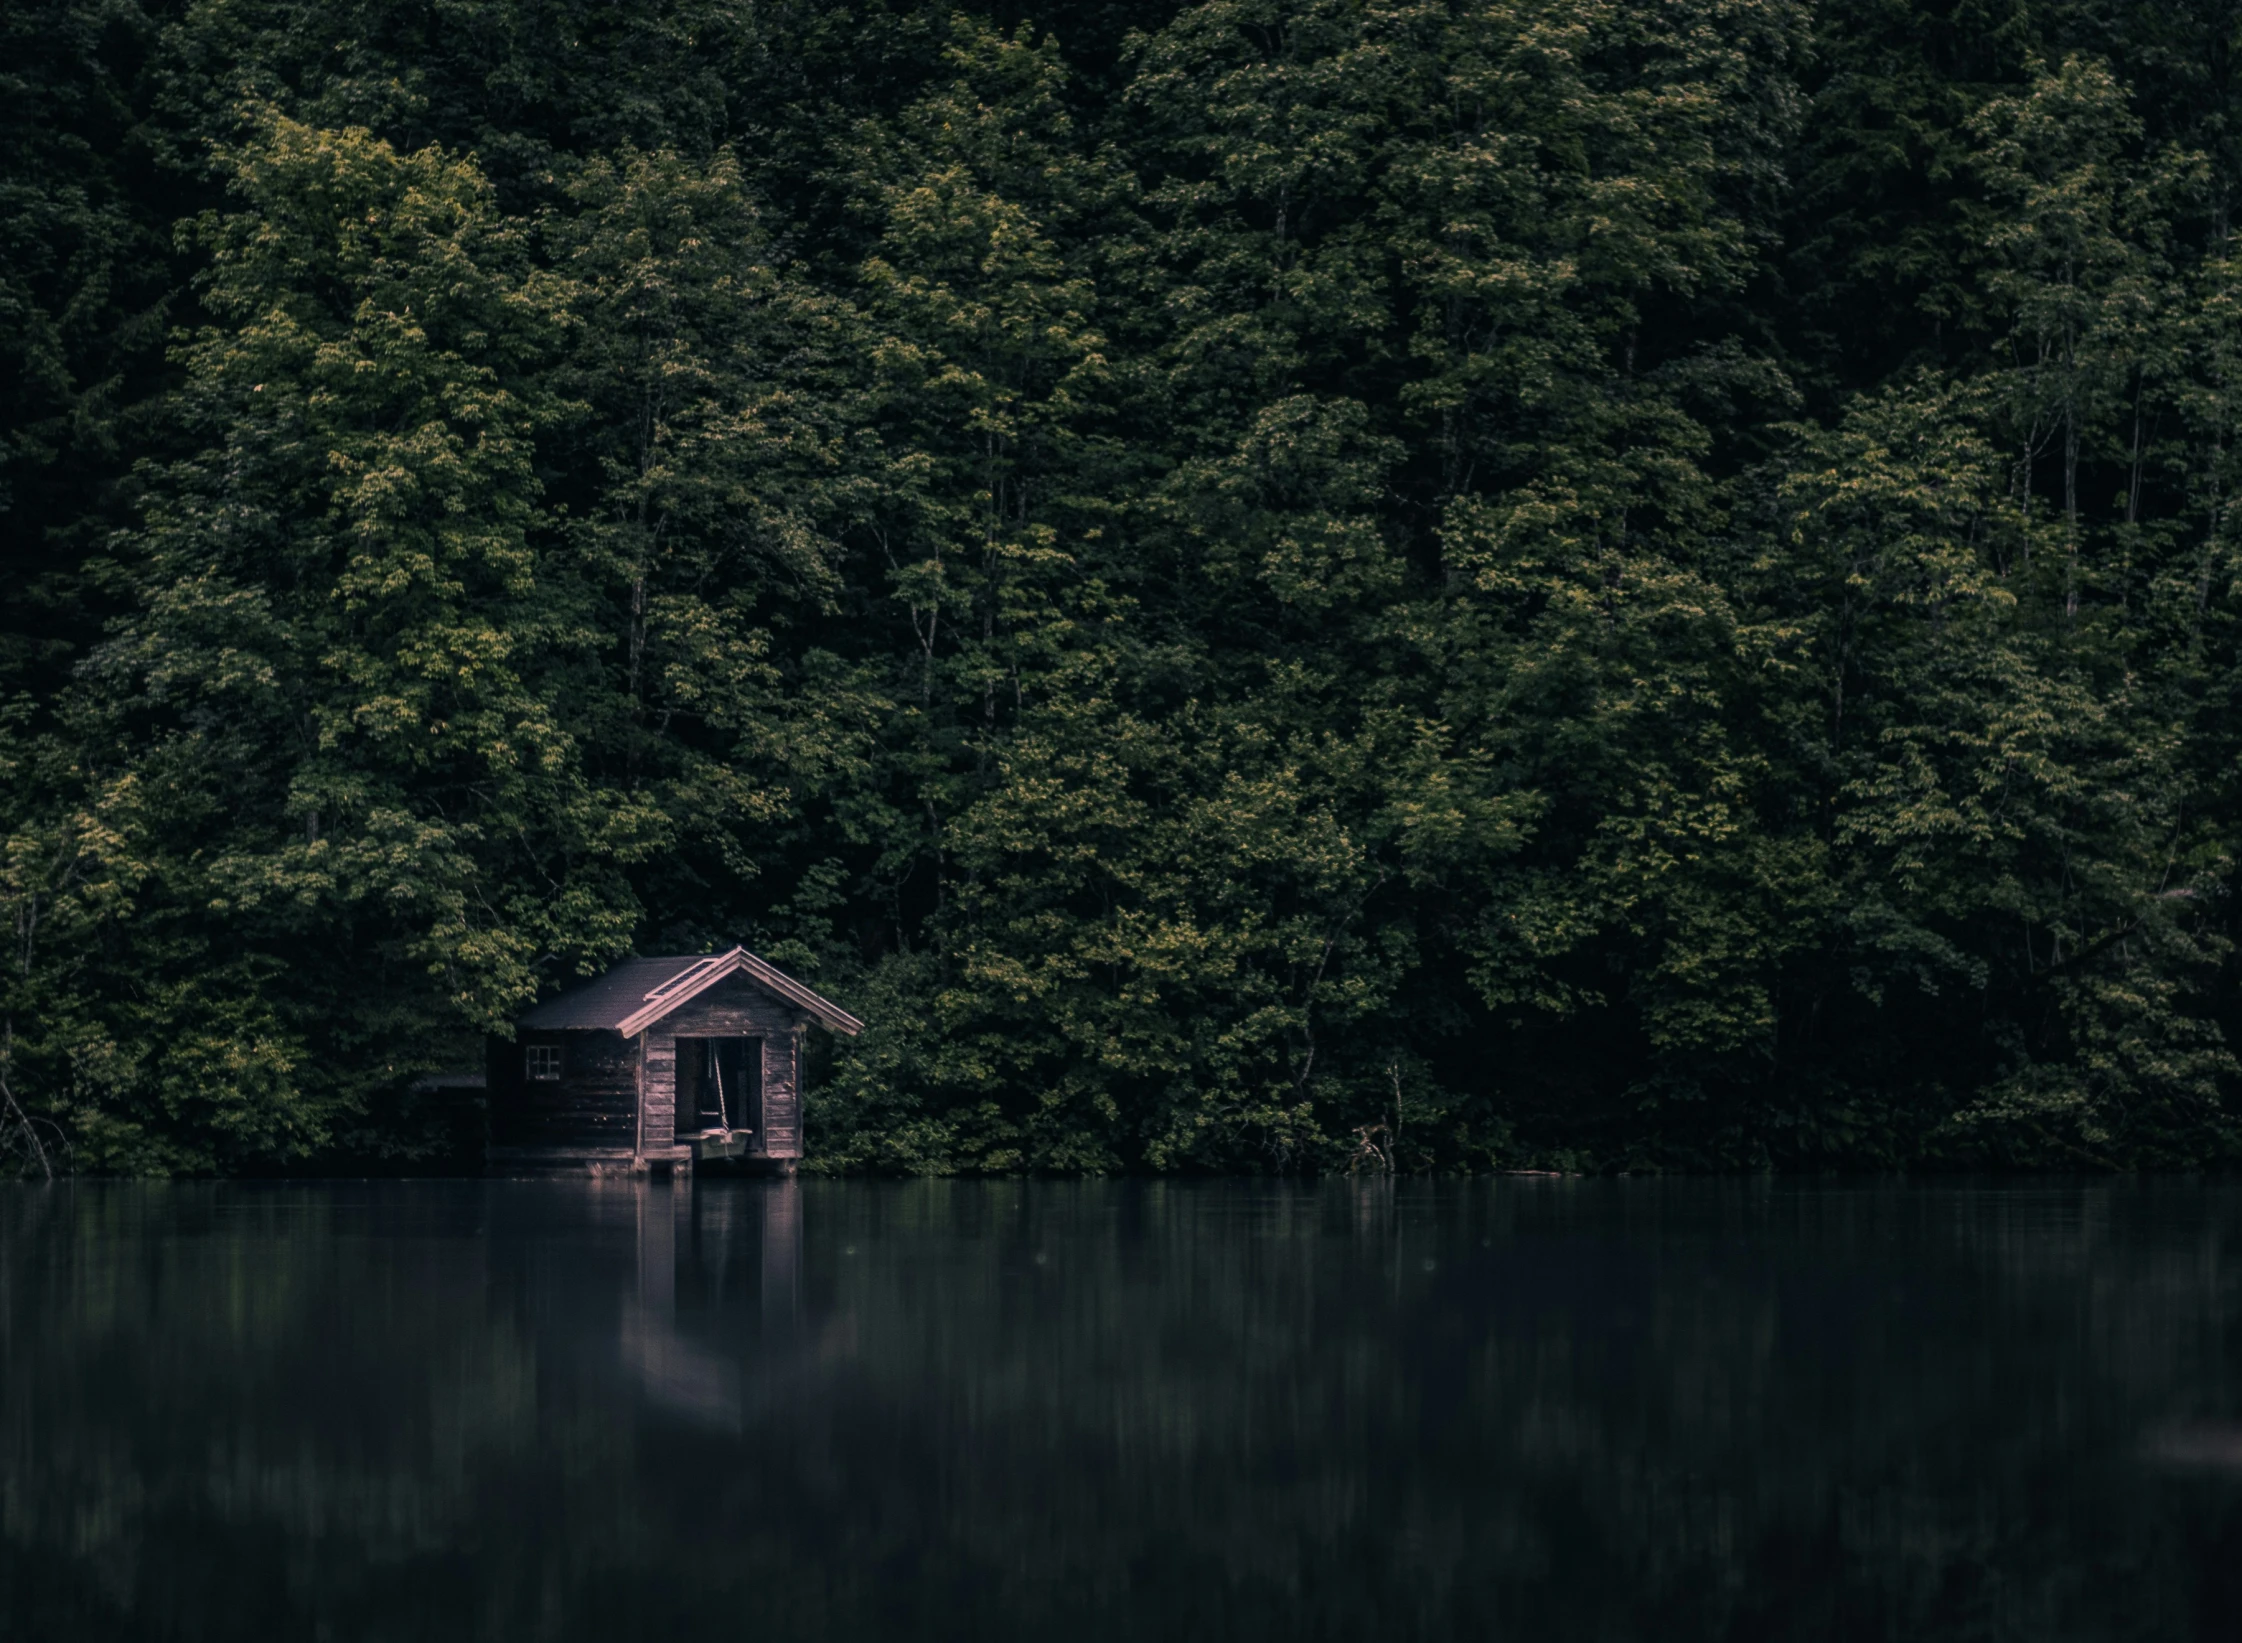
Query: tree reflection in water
1141, 1410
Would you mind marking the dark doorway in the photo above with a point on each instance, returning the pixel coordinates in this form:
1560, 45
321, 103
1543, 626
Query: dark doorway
719, 1084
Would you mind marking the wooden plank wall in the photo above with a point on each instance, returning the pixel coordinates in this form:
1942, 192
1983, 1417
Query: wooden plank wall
594, 1103
733, 1008
782, 1094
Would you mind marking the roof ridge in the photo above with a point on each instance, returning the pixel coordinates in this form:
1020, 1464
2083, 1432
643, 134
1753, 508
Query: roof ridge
620, 1001
691, 971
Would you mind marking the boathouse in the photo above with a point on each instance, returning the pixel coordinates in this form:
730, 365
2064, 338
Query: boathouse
659, 1064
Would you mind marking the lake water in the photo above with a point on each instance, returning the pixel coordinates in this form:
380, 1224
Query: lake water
1662, 1410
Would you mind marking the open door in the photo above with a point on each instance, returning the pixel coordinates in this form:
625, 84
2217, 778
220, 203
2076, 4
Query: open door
719, 1085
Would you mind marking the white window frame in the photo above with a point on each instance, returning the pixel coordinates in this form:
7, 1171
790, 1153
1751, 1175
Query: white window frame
542, 1062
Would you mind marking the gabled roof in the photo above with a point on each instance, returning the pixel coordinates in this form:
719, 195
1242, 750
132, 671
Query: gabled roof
640, 991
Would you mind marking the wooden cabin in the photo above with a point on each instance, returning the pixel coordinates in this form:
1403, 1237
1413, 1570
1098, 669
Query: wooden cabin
658, 1064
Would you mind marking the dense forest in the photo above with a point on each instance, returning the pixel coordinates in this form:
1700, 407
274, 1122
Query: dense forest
1535, 583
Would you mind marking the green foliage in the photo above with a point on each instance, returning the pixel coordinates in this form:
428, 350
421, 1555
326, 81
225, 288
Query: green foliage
85, 288
1592, 584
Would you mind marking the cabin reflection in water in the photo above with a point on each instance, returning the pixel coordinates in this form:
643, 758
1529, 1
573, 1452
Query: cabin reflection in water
694, 1255
660, 1064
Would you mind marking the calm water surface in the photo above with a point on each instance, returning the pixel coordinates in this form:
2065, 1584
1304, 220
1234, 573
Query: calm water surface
1531, 1409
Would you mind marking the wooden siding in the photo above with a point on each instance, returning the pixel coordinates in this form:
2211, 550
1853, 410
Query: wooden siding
593, 1105
734, 1008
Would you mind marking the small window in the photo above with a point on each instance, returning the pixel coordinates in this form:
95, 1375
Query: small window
544, 1062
